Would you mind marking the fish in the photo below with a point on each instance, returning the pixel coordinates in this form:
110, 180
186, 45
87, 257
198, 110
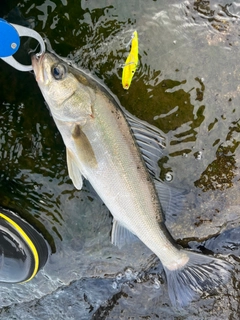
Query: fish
131, 63
118, 154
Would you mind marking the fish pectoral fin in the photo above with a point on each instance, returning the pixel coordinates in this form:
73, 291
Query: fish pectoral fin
121, 235
74, 171
84, 149
173, 200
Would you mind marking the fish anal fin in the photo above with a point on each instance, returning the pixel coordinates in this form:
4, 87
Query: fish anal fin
83, 147
121, 235
74, 171
173, 200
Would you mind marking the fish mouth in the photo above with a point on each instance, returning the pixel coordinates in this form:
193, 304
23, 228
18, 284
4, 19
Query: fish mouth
36, 65
36, 59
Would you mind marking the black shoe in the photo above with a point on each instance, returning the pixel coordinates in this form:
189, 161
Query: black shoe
23, 251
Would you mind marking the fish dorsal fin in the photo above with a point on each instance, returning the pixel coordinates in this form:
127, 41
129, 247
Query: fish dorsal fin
173, 200
121, 235
74, 171
150, 141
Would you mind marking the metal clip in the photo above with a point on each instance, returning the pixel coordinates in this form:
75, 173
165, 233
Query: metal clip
26, 32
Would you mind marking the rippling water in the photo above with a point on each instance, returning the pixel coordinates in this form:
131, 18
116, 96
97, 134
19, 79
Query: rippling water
187, 84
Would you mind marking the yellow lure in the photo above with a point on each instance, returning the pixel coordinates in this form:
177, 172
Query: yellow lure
131, 63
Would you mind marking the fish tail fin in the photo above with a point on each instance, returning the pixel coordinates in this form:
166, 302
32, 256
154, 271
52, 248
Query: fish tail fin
201, 273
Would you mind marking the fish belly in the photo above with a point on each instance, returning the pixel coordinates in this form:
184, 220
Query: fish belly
122, 181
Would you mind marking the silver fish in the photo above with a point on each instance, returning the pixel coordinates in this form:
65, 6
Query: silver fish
118, 154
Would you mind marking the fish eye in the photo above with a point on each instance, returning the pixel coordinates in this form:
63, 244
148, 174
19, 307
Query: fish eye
59, 71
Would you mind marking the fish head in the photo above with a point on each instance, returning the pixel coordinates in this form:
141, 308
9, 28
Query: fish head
67, 98
50, 74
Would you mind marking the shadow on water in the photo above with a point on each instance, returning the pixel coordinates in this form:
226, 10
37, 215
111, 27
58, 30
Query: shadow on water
184, 86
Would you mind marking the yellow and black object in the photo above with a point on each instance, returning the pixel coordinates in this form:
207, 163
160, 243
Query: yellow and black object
23, 251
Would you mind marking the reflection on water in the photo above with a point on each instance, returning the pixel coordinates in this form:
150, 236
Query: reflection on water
187, 84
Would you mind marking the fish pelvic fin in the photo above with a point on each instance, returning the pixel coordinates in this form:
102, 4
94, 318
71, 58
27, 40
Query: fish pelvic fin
121, 235
74, 171
83, 147
200, 274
